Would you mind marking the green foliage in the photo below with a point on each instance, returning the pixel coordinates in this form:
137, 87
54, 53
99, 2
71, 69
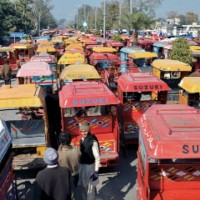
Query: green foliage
181, 51
22, 15
7, 16
116, 37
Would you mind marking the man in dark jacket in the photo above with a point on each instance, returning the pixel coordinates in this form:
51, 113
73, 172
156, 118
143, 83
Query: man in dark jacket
89, 162
53, 182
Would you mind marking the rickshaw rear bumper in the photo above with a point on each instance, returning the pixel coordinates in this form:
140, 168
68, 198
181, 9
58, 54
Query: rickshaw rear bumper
110, 160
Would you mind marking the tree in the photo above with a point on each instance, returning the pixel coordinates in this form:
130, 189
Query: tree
40, 8
191, 17
172, 15
23, 15
7, 16
181, 51
145, 6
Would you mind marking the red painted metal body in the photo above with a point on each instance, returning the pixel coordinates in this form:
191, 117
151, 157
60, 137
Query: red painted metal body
168, 155
146, 43
137, 92
104, 124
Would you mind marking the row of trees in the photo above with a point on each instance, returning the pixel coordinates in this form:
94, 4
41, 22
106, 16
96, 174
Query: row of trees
128, 14
25, 15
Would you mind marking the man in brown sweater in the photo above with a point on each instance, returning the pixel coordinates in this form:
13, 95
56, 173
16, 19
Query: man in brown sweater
69, 157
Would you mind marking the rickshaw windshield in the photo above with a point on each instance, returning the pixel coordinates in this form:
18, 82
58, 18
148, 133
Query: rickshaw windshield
137, 96
87, 111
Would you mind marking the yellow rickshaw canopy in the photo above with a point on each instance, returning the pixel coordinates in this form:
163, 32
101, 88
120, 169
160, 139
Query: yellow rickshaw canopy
59, 38
138, 55
22, 46
79, 71
171, 65
71, 40
47, 49
27, 95
124, 37
104, 49
6, 49
190, 84
193, 48
71, 58
45, 43
74, 46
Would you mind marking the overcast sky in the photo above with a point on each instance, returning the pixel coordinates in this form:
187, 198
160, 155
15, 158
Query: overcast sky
68, 8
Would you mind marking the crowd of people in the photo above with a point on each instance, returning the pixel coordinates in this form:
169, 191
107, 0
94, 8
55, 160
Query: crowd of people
71, 172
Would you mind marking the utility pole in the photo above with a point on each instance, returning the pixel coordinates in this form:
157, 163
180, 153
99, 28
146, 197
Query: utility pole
95, 19
131, 6
120, 13
104, 19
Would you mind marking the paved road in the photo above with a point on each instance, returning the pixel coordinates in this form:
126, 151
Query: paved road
118, 183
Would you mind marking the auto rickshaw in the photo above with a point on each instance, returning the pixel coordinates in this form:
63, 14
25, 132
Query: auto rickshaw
171, 72
158, 47
24, 110
143, 60
8, 186
74, 46
71, 40
46, 57
10, 54
146, 43
24, 52
168, 153
114, 44
94, 103
69, 58
47, 49
59, 44
38, 73
79, 72
137, 92
105, 56
127, 63
189, 91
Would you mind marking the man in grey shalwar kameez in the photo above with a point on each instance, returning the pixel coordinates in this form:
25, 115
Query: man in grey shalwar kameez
89, 163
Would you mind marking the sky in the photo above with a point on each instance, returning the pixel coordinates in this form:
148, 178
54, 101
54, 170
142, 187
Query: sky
68, 8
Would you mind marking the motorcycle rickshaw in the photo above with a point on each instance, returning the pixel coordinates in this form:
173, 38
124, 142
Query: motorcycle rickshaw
107, 64
8, 188
79, 72
126, 62
24, 111
46, 57
69, 58
47, 49
10, 54
92, 102
24, 52
142, 60
189, 91
38, 73
171, 72
168, 153
137, 92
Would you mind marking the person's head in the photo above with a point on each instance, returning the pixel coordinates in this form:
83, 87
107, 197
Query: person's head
65, 138
50, 156
84, 129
